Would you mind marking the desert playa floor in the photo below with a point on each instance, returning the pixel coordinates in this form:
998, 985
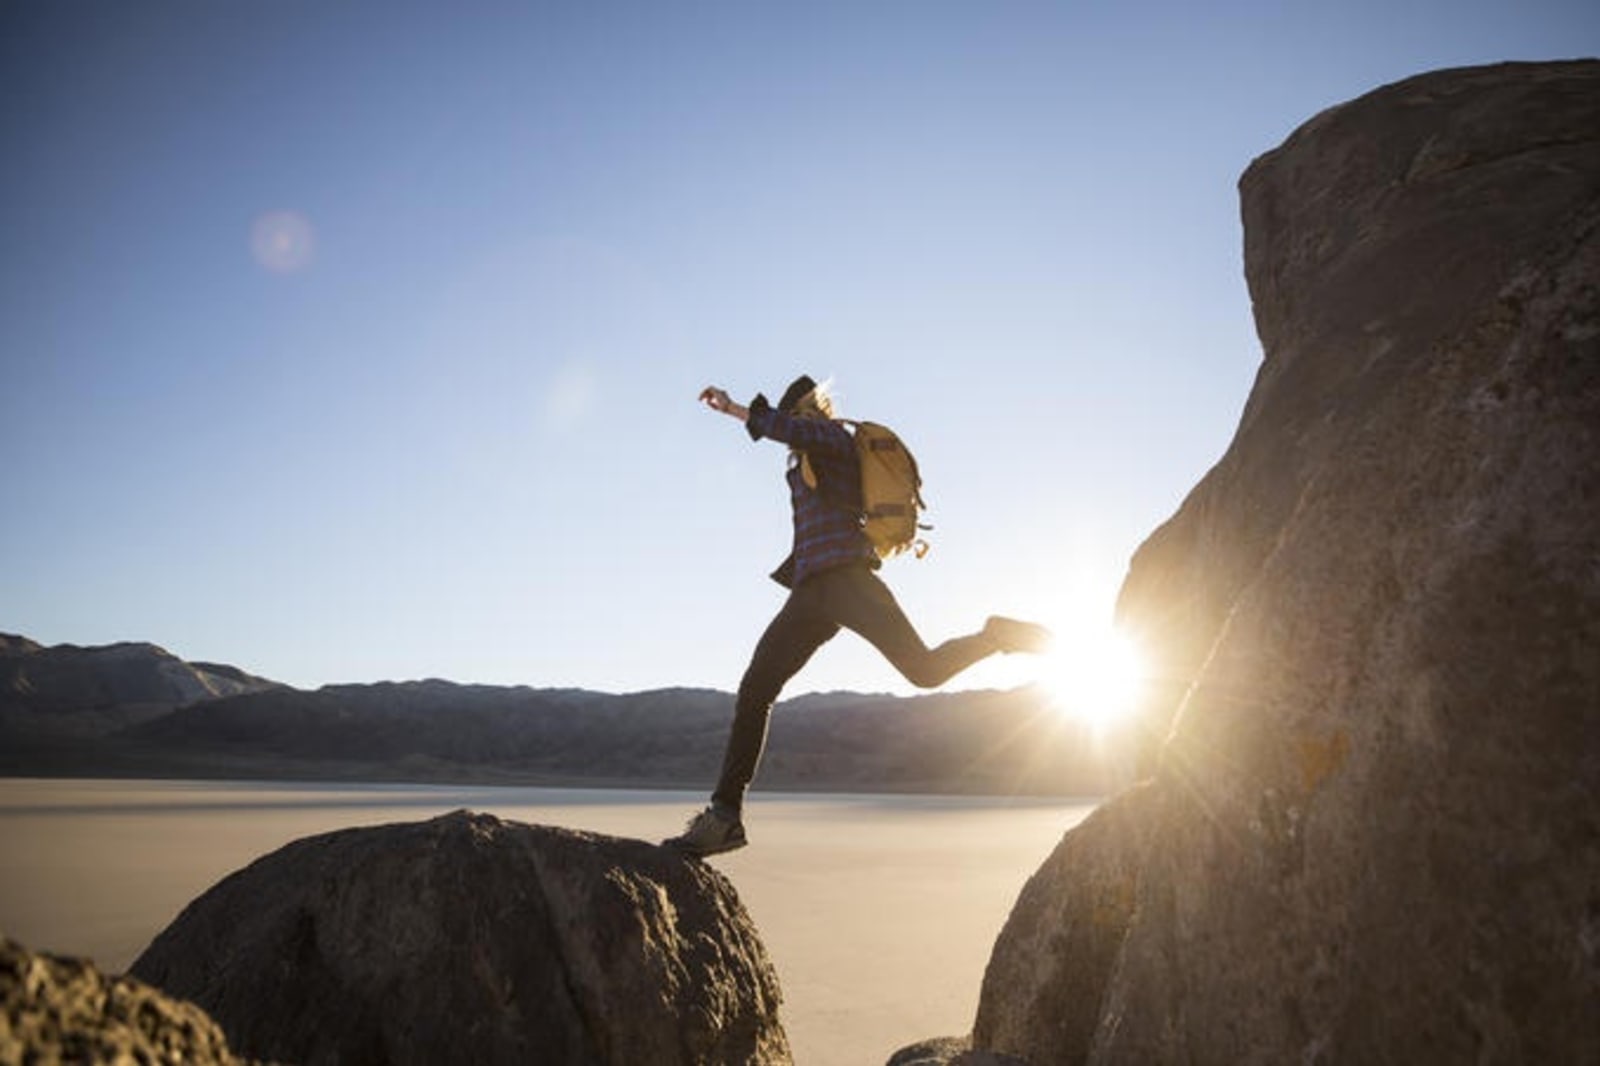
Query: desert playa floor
878, 911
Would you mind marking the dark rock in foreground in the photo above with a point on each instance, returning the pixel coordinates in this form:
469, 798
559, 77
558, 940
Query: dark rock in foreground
1372, 836
64, 1010
467, 939
949, 1051
937, 1052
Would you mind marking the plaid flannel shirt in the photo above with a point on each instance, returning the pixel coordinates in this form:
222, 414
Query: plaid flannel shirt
827, 531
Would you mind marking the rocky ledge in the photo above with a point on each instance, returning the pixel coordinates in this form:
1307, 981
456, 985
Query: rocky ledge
1371, 833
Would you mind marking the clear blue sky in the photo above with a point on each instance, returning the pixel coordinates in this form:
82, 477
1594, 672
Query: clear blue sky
456, 435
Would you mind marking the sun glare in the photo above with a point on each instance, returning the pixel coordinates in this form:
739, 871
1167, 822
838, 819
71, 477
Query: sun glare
1095, 672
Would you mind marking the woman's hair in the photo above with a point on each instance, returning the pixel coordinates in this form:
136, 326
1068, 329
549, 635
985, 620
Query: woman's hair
818, 403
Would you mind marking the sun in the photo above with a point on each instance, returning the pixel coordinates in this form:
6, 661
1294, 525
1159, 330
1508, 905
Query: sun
1094, 672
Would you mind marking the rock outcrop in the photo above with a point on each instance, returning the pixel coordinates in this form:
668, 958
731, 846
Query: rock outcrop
64, 1010
467, 939
1371, 836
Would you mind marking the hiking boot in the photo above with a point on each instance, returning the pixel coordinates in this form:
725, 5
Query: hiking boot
1010, 635
711, 832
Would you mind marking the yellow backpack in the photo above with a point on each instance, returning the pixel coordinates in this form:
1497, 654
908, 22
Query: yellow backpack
891, 490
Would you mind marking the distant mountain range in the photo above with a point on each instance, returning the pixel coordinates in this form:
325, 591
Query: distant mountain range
136, 710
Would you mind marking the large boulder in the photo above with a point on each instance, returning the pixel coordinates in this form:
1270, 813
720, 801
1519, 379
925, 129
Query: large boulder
55, 1009
1371, 835
467, 939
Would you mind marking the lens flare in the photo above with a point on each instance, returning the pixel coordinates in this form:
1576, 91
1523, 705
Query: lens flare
283, 241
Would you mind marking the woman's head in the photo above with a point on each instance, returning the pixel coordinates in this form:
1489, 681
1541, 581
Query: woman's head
804, 398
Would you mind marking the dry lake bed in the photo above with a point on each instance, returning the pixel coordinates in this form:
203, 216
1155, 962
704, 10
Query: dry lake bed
878, 911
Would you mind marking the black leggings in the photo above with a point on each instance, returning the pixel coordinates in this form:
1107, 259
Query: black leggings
851, 597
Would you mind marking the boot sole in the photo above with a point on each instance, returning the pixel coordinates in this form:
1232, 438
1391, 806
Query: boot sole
683, 847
